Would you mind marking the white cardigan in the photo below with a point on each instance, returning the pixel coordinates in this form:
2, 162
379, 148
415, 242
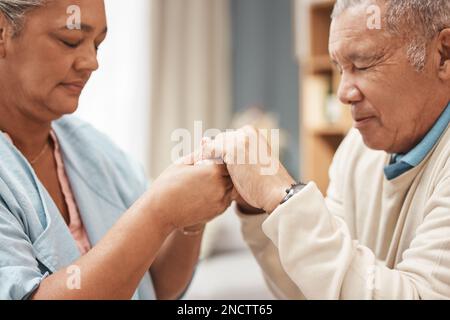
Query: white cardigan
370, 238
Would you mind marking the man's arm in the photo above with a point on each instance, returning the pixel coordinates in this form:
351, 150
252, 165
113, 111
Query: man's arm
264, 250
317, 251
267, 256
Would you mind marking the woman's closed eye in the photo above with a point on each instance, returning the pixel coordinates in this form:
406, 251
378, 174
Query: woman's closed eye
76, 44
71, 44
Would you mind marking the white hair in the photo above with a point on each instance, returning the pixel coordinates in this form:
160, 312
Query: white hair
15, 10
417, 20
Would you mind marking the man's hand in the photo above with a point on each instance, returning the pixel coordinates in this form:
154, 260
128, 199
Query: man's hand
242, 152
244, 207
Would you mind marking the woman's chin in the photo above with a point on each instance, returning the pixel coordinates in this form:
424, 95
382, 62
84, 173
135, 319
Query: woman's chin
69, 108
64, 101
64, 106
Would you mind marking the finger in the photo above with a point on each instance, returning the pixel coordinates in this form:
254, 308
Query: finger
205, 162
217, 148
223, 171
199, 156
186, 160
229, 184
228, 198
221, 168
191, 159
209, 167
206, 140
235, 194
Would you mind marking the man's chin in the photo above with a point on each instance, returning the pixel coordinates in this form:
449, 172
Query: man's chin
373, 142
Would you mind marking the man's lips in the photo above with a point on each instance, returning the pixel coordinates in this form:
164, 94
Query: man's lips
362, 118
362, 121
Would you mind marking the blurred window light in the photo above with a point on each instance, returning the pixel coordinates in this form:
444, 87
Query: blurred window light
117, 99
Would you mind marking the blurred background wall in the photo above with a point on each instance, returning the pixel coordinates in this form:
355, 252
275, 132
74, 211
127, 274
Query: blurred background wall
190, 72
265, 72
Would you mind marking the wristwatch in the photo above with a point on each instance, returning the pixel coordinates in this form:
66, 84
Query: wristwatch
293, 190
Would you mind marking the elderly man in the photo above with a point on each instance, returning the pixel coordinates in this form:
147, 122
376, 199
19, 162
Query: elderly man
383, 229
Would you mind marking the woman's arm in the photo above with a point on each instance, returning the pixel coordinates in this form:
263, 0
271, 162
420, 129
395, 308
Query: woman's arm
176, 261
116, 265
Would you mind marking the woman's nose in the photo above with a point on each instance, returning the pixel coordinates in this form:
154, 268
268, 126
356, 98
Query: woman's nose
87, 61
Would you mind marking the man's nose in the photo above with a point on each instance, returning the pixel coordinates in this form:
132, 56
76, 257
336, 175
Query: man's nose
348, 92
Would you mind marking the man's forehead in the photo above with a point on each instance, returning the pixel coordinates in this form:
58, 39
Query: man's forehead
350, 36
351, 24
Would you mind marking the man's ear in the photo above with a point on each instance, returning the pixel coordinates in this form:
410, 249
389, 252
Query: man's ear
444, 52
4, 27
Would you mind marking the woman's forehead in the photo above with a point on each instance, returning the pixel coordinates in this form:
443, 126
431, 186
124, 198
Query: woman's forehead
90, 12
86, 15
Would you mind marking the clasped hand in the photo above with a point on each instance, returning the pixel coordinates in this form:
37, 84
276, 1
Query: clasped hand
230, 167
258, 177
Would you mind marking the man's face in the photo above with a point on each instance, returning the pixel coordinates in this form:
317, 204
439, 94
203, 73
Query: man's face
47, 64
389, 99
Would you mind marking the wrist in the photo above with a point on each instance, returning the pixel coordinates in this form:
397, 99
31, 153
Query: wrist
156, 210
247, 209
277, 195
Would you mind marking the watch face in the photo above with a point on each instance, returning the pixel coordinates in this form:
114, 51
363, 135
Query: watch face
296, 188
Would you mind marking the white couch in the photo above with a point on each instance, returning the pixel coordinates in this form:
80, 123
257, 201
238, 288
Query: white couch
227, 269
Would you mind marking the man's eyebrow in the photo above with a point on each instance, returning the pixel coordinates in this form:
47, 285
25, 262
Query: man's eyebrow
86, 28
356, 56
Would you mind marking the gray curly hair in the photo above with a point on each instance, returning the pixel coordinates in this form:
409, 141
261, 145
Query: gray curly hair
15, 11
416, 20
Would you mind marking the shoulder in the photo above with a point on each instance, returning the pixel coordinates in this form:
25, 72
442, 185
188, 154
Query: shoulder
96, 155
439, 162
75, 130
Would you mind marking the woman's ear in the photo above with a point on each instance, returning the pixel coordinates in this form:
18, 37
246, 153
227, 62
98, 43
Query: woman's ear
444, 52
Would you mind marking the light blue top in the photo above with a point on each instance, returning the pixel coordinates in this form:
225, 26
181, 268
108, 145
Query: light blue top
35, 241
402, 163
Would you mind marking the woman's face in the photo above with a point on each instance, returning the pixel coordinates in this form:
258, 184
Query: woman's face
45, 67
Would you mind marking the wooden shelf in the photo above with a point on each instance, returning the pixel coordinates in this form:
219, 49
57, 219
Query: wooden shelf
329, 130
318, 64
322, 3
319, 28
319, 81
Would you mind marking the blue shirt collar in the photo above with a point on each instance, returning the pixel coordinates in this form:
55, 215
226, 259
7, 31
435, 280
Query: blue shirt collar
404, 162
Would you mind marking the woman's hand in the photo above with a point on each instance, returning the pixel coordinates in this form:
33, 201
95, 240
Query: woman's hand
187, 195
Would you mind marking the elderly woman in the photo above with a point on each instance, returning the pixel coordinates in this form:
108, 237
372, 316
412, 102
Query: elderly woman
76, 218
383, 229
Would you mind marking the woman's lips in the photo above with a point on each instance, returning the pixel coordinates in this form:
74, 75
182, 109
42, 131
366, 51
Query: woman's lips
74, 88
